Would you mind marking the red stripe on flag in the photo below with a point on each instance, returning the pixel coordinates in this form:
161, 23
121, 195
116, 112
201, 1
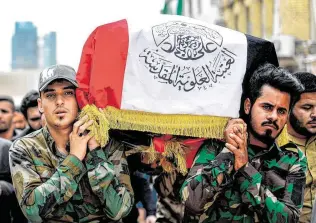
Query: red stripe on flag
110, 45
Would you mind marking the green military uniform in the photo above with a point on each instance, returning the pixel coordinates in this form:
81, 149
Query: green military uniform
309, 149
170, 209
53, 187
268, 189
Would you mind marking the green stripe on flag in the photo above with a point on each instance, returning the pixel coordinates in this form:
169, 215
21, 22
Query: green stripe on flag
180, 7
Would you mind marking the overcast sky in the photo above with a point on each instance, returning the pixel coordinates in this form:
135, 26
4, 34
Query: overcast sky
73, 20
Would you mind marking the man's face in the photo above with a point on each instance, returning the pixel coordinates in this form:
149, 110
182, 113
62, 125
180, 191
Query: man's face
19, 121
6, 116
268, 114
34, 118
59, 105
303, 115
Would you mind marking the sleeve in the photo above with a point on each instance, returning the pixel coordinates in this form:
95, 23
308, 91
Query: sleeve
259, 189
209, 175
110, 181
146, 195
38, 199
164, 183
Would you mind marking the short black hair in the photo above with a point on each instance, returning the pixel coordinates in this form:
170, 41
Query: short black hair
29, 101
308, 80
8, 99
276, 77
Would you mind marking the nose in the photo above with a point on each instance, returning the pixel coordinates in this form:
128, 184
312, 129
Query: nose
273, 115
59, 100
313, 114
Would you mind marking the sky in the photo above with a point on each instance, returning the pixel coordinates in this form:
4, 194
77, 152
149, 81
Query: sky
73, 20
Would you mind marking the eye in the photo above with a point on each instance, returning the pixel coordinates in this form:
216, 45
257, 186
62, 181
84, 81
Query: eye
267, 107
282, 111
69, 93
306, 107
50, 95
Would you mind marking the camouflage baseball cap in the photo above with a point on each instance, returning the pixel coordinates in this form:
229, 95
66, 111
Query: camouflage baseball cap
56, 72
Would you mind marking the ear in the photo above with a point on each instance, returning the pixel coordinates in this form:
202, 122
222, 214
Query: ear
39, 105
247, 106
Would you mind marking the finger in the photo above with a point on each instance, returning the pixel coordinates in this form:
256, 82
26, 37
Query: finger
83, 127
87, 137
79, 123
238, 130
237, 139
232, 148
236, 121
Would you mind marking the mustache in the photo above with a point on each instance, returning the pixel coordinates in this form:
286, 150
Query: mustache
271, 123
312, 121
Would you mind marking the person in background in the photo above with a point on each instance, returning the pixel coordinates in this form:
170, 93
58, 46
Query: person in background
7, 109
19, 121
302, 131
9, 208
31, 113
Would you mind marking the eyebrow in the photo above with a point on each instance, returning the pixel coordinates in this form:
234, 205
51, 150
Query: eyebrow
35, 118
268, 103
65, 88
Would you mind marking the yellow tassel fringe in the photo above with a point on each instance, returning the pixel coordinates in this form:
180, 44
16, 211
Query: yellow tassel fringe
100, 127
183, 125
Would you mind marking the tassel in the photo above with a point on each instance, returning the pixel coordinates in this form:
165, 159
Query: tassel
100, 127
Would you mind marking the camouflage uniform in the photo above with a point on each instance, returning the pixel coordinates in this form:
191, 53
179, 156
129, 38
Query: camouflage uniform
53, 187
170, 208
269, 188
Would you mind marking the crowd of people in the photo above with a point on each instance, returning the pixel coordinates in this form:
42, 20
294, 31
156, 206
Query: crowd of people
61, 174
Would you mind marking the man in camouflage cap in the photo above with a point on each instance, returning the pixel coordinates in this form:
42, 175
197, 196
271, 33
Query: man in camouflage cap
250, 178
60, 172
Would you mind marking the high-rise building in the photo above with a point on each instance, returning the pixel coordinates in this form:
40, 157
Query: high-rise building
24, 46
49, 49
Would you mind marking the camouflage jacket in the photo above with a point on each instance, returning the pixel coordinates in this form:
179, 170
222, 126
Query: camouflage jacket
269, 188
53, 187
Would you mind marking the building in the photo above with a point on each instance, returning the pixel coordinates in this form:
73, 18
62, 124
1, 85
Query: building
205, 10
290, 24
49, 49
24, 46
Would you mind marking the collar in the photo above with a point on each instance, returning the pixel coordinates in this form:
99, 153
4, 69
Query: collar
49, 139
256, 151
302, 142
51, 143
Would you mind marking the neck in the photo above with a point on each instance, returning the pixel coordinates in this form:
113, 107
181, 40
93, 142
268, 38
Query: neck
61, 137
7, 134
254, 141
293, 133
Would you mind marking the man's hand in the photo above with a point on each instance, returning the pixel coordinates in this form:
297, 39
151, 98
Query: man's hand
236, 141
92, 144
233, 126
78, 138
151, 219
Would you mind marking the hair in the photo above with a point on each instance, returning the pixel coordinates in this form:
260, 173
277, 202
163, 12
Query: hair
29, 101
308, 80
276, 77
8, 99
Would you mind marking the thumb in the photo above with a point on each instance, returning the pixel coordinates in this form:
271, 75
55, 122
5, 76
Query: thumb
232, 148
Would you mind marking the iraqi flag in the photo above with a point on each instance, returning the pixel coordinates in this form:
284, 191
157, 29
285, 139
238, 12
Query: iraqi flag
166, 74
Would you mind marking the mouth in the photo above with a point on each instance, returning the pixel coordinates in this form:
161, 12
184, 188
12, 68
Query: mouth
313, 123
60, 112
270, 126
